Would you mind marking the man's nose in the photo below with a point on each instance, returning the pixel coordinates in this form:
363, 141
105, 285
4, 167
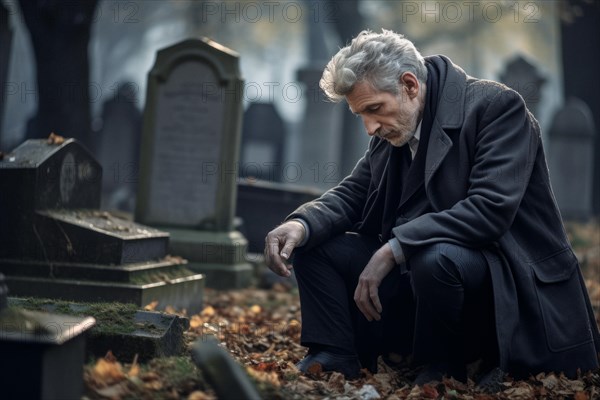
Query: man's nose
371, 125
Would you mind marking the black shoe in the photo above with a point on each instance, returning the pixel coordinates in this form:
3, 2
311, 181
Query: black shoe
492, 381
396, 362
435, 373
346, 364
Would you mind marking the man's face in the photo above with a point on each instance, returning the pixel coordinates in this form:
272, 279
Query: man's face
391, 117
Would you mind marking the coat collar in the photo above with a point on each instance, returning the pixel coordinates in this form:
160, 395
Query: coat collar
451, 101
449, 115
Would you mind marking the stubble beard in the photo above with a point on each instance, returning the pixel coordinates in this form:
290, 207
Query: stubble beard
399, 137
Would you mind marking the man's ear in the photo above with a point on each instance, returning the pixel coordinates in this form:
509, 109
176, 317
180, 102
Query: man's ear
410, 83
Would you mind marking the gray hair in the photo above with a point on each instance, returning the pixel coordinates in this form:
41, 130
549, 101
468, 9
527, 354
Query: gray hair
378, 58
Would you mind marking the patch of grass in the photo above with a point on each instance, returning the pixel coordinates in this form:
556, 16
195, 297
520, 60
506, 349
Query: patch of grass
175, 371
111, 318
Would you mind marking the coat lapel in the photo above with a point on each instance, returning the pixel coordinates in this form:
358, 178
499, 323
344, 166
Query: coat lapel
437, 149
449, 115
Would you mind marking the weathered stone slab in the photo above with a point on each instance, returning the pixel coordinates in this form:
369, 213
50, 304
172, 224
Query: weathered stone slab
42, 354
180, 293
121, 328
55, 244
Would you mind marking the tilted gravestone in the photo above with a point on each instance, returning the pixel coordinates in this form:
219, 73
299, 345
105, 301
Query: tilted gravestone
57, 244
188, 165
263, 141
571, 158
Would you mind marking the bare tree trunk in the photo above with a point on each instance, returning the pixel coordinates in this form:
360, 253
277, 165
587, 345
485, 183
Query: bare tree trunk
60, 34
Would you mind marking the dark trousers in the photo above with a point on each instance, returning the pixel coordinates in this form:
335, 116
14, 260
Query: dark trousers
442, 310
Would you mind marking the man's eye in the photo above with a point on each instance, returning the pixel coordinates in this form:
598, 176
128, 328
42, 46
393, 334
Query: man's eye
373, 108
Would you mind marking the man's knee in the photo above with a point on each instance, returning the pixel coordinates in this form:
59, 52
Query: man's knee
347, 252
436, 264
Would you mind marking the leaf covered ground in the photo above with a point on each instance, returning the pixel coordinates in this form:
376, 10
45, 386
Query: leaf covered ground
261, 330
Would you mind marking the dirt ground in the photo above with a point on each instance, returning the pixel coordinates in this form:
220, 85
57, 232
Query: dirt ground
261, 330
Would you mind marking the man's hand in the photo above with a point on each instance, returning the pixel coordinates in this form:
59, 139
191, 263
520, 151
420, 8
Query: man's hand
280, 243
366, 294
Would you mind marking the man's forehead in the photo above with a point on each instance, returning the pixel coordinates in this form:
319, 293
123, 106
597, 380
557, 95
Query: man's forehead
362, 94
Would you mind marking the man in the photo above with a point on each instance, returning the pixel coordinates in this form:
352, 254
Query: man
445, 242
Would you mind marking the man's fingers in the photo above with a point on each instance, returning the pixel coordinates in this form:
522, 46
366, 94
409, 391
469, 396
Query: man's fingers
273, 258
280, 243
286, 252
358, 300
362, 297
374, 296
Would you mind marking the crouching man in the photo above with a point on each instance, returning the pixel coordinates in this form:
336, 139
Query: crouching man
445, 241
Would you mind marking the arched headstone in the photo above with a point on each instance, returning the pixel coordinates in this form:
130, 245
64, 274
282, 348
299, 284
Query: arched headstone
522, 76
571, 158
189, 158
119, 148
263, 141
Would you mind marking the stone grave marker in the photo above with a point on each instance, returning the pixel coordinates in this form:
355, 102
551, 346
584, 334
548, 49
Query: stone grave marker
189, 158
523, 77
121, 328
571, 158
42, 353
57, 244
321, 133
264, 205
263, 141
119, 148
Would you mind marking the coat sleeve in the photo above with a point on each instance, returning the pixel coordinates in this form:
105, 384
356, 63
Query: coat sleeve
338, 209
506, 143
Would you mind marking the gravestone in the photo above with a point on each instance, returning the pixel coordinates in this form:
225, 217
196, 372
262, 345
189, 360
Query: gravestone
263, 141
118, 149
120, 328
523, 77
320, 138
57, 244
5, 47
320, 153
188, 166
571, 158
42, 354
264, 205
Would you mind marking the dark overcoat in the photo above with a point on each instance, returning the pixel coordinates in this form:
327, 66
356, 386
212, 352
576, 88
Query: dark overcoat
487, 182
